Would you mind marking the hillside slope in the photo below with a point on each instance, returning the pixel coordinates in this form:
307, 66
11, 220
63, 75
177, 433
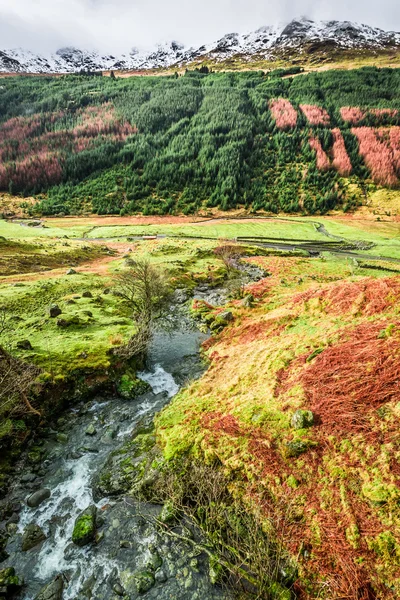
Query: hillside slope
178, 144
326, 482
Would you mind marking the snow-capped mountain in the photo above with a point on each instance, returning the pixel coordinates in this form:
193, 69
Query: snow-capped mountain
298, 37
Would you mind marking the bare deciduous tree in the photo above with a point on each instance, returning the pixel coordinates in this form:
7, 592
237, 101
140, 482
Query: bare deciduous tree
144, 287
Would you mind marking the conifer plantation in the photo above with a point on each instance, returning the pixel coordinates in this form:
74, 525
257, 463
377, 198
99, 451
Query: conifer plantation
175, 144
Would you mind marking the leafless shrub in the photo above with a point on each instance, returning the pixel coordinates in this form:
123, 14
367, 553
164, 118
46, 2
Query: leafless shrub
144, 287
248, 546
17, 379
229, 254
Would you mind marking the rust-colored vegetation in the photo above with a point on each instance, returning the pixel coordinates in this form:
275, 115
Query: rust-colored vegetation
283, 113
33, 149
315, 115
332, 347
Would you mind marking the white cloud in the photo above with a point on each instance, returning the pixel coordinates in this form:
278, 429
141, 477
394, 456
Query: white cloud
117, 25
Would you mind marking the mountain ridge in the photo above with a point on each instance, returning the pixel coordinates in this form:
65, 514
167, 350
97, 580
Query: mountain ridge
300, 37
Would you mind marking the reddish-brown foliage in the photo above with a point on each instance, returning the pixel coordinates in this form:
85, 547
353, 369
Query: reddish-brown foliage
283, 112
377, 154
384, 112
341, 160
352, 114
221, 423
394, 135
32, 153
346, 381
323, 163
368, 297
315, 115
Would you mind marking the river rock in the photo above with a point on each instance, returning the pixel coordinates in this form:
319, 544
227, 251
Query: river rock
144, 581
62, 438
118, 589
302, 419
85, 527
9, 582
28, 478
32, 536
53, 590
54, 311
91, 430
35, 499
71, 272
87, 294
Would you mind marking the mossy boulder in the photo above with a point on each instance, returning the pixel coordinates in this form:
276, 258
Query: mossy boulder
24, 345
200, 308
295, 448
32, 536
9, 582
302, 419
74, 320
130, 387
144, 581
85, 527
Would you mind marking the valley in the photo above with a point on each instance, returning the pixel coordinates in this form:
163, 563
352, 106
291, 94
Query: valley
199, 318
277, 327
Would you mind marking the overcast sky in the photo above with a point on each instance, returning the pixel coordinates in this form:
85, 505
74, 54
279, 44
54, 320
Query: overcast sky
118, 25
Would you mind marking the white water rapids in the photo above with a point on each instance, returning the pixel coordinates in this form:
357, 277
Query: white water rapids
74, 494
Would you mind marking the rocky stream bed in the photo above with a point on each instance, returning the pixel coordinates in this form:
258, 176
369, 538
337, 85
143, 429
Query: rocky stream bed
84, 466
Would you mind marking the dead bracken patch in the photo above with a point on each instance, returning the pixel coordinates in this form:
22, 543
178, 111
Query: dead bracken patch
346, 381
367, 297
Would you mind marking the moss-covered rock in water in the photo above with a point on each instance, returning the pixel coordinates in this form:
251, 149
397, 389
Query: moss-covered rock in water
302, 419
9, 582
130, 387
200, 308
85, 527
144, 581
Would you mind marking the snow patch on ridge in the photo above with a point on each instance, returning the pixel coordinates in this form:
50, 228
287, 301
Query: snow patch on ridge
266, 42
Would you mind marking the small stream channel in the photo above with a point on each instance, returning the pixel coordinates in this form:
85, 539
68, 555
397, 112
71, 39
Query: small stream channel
128, 543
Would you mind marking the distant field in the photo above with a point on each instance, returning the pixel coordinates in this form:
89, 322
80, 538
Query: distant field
384, 235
